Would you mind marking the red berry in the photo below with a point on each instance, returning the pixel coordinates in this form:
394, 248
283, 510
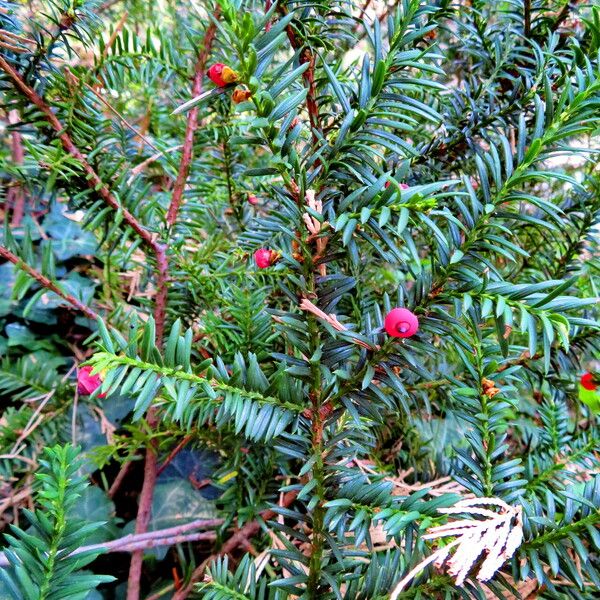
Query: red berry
215, 74
401, 322
87, 383
263, 258
221, 74
252, 199
587, 381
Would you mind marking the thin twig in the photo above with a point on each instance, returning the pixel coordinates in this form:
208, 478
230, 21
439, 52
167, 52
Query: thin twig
14, 499
239, 538
364, 8
116, 484
122, 118
142, 520
174, 453
139, 168
74, 419
152, 539
191, 126
33, 422
306, 56
47, 283
115, 33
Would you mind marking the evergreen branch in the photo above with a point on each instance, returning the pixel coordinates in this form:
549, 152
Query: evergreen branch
562, 460
108, 360
94, 180
41, 566
47, 283
117, 114
96, 184
564, 531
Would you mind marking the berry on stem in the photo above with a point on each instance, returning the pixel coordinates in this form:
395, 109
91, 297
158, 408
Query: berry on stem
401, 322
403, 186
87, 383
221, 74
252, 199
264, 258
587, 381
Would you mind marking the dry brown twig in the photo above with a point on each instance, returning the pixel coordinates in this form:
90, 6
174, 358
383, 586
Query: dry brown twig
240, 538
139, 168
331, 319
162, 537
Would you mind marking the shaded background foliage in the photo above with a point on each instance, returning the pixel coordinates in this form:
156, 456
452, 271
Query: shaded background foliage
314, 437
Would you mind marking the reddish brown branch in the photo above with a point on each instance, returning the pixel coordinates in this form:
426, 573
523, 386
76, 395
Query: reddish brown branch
364, 9
141, 522
94, 181
182, 444
563, 14
240, 538
151, 470
191, 126
306, 56
160, 300
116, 484
47, 283
268, 5
16, 194
311, 96
96, 184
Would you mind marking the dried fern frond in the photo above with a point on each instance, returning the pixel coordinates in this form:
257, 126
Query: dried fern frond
496, 534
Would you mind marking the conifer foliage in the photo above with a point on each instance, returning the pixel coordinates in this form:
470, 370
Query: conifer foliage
313, 286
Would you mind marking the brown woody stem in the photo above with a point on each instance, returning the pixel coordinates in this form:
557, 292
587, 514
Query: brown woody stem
191, 126
240, 538
142, 520
47, 283
16, 194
